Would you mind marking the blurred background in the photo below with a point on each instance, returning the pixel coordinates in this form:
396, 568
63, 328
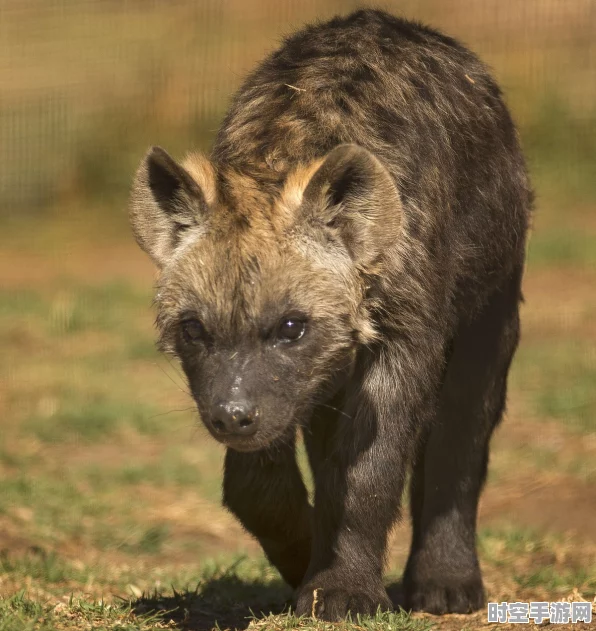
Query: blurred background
107, 485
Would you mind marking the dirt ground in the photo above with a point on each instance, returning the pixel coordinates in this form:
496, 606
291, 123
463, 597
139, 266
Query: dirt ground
541, 478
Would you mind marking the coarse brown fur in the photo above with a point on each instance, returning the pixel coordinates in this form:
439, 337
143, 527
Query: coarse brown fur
349, 262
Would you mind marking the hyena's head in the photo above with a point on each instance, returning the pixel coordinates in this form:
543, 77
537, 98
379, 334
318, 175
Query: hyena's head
265, 298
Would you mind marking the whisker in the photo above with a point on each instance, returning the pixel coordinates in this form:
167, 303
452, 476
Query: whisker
175, 368
182, 389
196, 430
171, 412
331, 407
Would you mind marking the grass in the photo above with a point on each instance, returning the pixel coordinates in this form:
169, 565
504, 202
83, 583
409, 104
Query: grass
20, 613
245, 592
74, 309
110, 513
499, 545
91, 421
537, 564
544, 460
561, 150
52, 510
562, 248
557, 581
106, 507
40, 565
171, 470
110, 492
558, 382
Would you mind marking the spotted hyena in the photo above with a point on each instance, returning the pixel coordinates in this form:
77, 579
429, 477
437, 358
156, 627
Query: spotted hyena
347, 263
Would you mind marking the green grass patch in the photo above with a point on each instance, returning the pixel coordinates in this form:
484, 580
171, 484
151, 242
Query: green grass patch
558, 580
68, 509
542, 459
175, 467
562, 248
561, 151
22, 613
11, 458
91, 420
541, 563
74, 308
60, 506
558, 381
142, 348
43, 566
146, 540
382, 621
495, 543
573, 402
170, 470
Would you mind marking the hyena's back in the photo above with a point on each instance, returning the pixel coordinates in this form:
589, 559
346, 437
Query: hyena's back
423, 104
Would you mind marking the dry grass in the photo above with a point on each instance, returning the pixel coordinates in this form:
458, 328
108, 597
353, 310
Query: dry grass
108, 489
108, 503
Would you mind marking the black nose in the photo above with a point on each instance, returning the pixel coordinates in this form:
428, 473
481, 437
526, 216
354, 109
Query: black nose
238, 418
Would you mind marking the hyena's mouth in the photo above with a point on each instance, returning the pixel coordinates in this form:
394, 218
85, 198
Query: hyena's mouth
253, 443
246, 435
244, 445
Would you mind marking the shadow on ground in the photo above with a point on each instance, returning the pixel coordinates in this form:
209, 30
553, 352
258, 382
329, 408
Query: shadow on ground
227, 601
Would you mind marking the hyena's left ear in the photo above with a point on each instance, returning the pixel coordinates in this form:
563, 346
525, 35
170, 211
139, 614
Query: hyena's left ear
167, 199
352, 193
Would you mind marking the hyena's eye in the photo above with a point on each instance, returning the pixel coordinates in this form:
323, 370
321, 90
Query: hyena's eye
192, 331
291, 329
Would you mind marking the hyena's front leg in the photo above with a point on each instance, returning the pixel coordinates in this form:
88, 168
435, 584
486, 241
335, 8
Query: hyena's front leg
359, 479
264, 489
358, 489
359, 482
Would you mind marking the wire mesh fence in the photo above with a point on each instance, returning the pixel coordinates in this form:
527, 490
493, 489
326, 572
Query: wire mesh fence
101, 452
87, 85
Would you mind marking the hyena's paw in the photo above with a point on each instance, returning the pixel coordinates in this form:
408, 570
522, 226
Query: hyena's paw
445, 596
333, 603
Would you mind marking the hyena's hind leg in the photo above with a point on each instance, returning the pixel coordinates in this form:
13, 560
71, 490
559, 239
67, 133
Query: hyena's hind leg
442, 574
264, 489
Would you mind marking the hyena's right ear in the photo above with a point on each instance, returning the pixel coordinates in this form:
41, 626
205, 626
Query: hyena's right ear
167, 199
353, 195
